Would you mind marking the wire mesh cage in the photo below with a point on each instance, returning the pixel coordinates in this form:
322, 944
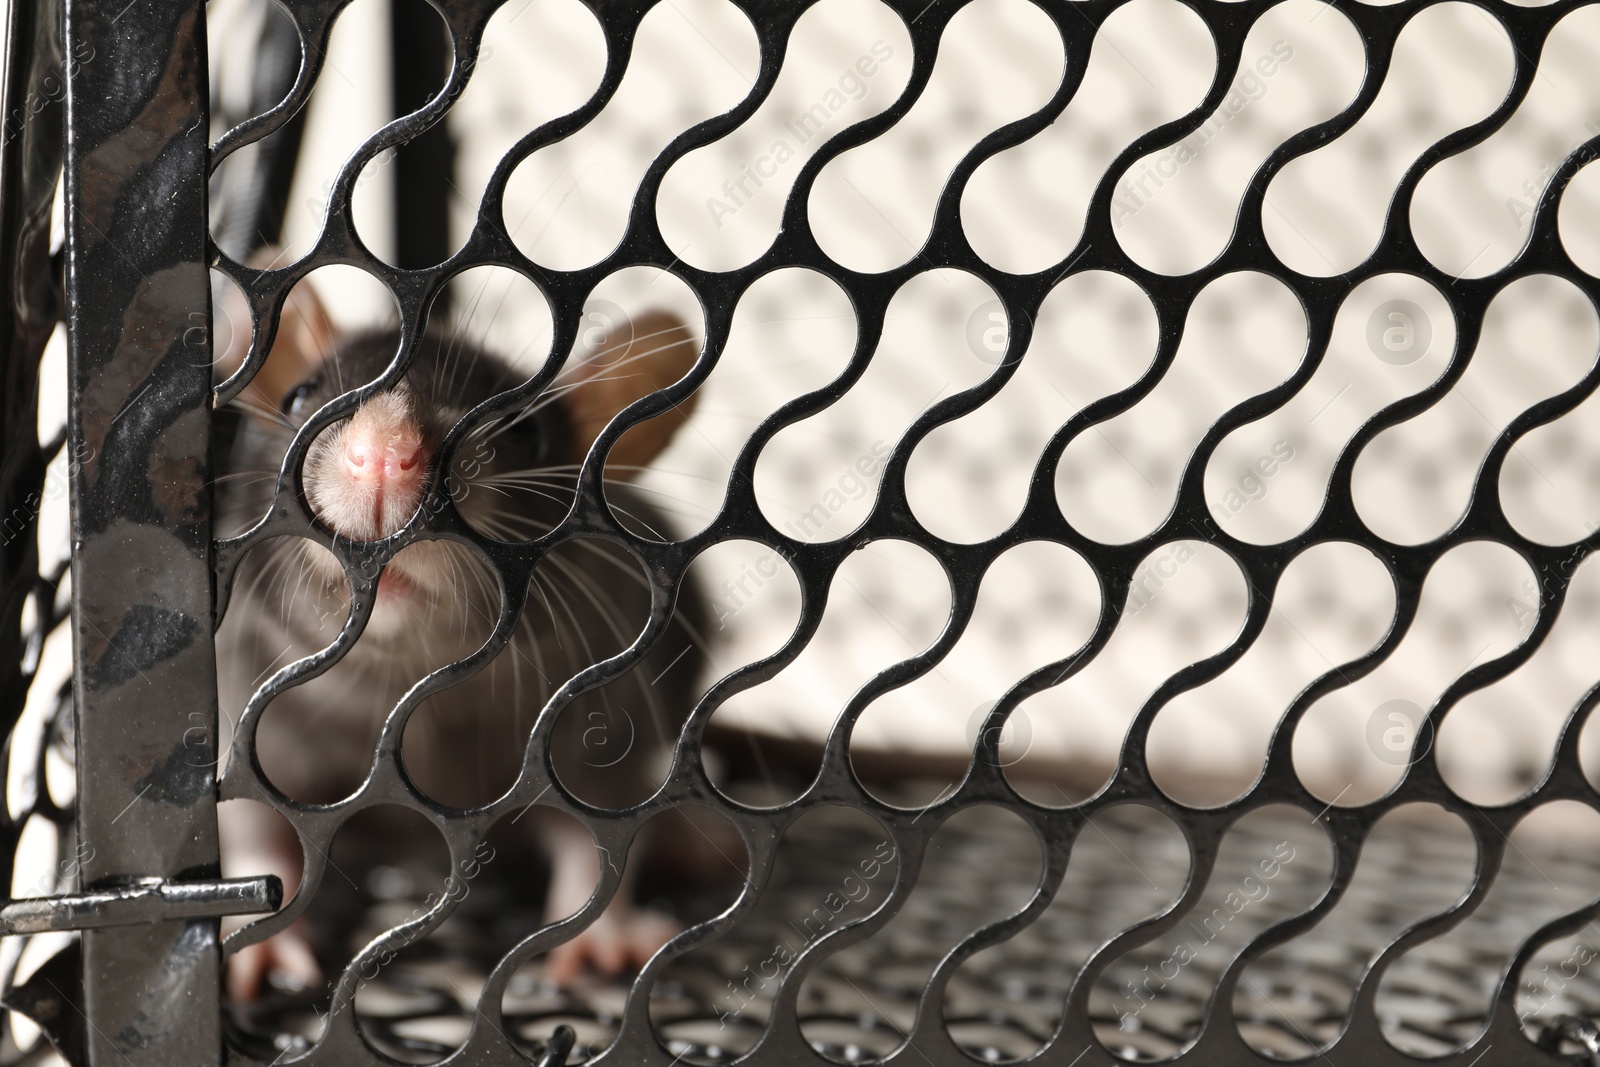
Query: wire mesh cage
830, 532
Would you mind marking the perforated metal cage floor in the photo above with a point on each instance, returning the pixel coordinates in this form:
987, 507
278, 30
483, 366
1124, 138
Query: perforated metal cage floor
1260, 270
1005, 1003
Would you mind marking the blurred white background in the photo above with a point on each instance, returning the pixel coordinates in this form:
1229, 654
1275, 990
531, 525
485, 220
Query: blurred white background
1024, 211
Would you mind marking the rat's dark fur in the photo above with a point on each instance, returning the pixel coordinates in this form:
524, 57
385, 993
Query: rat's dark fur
513, 480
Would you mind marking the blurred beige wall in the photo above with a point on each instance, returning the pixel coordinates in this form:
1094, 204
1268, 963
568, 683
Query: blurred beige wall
1023, 211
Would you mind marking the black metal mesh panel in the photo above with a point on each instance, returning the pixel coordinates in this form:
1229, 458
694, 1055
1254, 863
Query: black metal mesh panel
891, 516
1010, 926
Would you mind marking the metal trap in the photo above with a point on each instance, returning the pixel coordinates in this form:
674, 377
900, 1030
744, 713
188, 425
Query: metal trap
1338, 803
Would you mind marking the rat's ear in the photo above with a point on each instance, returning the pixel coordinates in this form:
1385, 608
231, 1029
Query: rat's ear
304, 340
645, 354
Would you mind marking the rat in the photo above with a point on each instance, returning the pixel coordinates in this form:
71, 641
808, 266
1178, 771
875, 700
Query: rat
513, 479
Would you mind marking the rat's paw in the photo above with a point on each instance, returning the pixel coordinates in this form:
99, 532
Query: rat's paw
621, 939
288, 954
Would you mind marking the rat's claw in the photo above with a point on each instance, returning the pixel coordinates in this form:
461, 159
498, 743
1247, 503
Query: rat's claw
621, 939
288, 954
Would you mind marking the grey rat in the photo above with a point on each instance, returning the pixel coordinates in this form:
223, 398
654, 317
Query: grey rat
437, 601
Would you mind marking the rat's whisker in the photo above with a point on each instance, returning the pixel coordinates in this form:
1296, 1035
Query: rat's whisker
448, 597
610, 559
610, 613
272, 664
631, 357
532, 492
257, 408
525, 619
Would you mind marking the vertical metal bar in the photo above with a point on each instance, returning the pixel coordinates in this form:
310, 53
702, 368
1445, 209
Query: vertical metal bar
144, 673
30, 162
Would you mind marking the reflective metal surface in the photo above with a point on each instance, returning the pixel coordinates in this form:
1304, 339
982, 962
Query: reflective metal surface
149, 577
144, 688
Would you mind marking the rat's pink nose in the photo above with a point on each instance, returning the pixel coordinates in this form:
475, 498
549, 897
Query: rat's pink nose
384, 458
368, 483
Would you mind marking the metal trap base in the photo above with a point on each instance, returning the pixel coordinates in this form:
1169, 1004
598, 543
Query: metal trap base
1005, 1003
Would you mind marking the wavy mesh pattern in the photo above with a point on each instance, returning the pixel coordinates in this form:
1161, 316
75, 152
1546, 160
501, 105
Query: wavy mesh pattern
1257, 367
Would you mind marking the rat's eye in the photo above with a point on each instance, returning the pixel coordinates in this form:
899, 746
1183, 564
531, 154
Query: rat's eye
297, 402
